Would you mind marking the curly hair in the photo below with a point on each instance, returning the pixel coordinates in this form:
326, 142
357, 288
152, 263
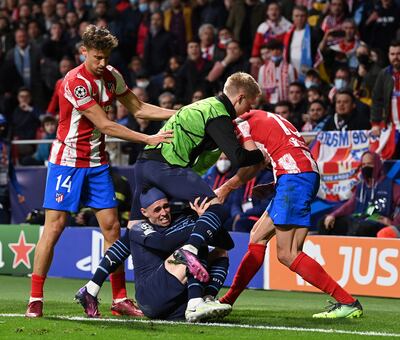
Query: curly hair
99, 39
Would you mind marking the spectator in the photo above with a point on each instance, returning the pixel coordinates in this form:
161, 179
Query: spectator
317, 117
296, 98
383, 22
158, 47
166, 100
199, 94
207, 42
209, 12
135, 67
101, 11
122, 114
225, 36
40, 157
276, 74
244, 18
193, 72
35, 34
233, 62
48, 14
7, 175
284, 109
144, 26
61, 11
339, 46
346, 116
371, 206
385, 96
6, 37
22, 68
337, 12
24, 15
301, 42
81, 10
72, 29
342, 80
65, 66
314, 93
177, 20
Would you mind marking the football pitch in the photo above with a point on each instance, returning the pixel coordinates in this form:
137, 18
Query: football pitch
256, 315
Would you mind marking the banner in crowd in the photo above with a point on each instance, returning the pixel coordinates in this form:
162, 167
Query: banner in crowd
364, 266
338, 154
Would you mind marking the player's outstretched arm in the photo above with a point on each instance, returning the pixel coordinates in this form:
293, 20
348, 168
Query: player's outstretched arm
144, 110
98, 117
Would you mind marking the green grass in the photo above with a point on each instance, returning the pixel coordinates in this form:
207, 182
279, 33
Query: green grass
254, 307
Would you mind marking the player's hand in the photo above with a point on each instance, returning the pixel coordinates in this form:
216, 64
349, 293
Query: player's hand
21, 198
201, 208
222, 193
161, 137
263, 191
329, 222
376, 131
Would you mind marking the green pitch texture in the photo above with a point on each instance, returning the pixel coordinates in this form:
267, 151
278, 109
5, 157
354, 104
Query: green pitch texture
267, 308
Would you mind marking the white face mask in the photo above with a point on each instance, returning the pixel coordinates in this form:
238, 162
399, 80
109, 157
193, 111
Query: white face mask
142, 83
223, 165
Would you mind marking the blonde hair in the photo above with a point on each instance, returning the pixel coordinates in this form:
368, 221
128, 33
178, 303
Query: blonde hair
242, 81
99, 39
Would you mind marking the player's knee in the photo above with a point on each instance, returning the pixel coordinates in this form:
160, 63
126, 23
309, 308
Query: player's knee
111, 230
284, 256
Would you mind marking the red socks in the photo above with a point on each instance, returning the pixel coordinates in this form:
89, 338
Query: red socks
249, 266
311, 271
118, 285
37, 283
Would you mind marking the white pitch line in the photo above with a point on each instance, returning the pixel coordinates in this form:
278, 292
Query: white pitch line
221, 325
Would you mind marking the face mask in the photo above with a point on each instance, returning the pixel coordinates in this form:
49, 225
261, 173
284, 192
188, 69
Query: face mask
276, 59
309, 83
225, 41
82, 58
340, 83
142, 83
143, 7
223, 165
367, 172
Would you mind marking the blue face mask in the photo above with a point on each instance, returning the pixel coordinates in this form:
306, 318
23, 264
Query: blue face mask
340, 83
276, 59
82, 58
143, 7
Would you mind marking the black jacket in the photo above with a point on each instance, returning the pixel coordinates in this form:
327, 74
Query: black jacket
382, 96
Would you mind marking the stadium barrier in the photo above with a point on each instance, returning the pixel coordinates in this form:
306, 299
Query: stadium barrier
364, 266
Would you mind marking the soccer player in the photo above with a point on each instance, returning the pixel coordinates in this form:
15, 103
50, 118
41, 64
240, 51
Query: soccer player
288, 214
166, 285
200, 132
78, 170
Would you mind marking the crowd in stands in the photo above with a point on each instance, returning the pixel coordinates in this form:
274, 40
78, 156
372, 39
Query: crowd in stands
325, 65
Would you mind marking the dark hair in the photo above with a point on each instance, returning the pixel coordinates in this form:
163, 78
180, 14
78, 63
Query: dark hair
301, 8
99, 39
345, 91
284, 103
274, 44
395, 43
318, 101
313, 73
298, 84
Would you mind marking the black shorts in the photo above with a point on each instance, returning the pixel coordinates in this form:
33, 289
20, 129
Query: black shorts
162, 296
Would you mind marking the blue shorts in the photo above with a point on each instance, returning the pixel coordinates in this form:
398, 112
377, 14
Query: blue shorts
161, 295
68, 187
291, 204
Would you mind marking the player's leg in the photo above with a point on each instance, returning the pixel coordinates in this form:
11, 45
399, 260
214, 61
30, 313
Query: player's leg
252, 261
62, 194
218, 264
289, 251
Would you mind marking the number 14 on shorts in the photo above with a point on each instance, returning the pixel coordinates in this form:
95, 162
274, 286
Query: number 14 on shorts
66, 183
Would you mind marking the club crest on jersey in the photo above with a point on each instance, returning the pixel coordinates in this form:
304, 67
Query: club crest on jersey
80, 92
59, 197
111, 87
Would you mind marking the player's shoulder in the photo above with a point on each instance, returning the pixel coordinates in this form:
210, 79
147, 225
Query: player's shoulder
111, 71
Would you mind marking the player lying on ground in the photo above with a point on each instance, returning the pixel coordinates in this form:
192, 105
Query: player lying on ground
169, 286
288, 214
78, 172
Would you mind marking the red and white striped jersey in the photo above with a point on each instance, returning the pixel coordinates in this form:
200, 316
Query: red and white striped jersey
79, 143
395, 117
281, 141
